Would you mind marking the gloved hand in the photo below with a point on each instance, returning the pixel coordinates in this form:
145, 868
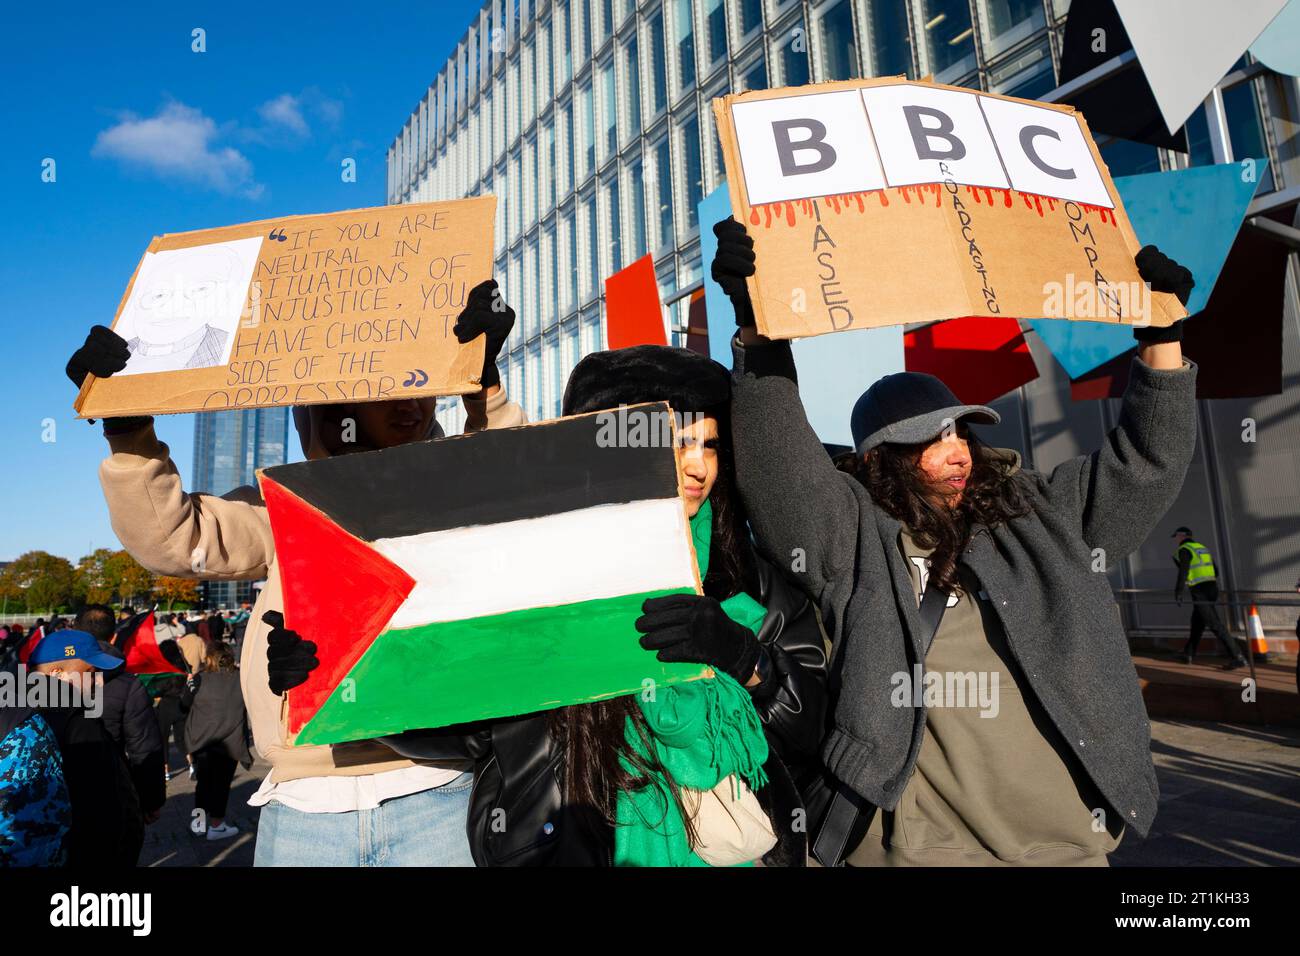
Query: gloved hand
104, 353
1163, 275
289, 658
486, 312
695, 629
732, 264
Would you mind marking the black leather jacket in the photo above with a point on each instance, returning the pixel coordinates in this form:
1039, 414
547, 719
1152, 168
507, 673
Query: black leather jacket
518, 815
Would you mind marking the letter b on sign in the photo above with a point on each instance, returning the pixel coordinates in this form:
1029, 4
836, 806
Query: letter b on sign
814, 141
798, 147
927, 125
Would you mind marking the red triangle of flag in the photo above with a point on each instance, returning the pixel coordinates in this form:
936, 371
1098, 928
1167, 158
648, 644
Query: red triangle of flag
338, 592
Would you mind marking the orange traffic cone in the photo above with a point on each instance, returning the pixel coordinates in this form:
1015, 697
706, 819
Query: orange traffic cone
1255, 630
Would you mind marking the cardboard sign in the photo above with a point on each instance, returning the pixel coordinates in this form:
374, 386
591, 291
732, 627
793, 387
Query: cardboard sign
832, 372
439, 589
885, 202
304, 310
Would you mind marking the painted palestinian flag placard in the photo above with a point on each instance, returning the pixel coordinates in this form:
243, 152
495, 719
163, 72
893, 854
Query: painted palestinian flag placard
483, 576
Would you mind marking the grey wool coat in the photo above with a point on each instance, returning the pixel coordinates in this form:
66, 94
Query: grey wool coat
1061, 620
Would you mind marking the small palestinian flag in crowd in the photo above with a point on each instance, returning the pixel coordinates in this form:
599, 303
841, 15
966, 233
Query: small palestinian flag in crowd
29, 645
136, 639
475, 577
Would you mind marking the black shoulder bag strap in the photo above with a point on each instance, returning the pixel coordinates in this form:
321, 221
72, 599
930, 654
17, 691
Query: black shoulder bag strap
847, 809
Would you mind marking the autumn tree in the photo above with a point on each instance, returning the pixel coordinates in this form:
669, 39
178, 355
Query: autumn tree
171, 590
45, 580
96, 583
134, 582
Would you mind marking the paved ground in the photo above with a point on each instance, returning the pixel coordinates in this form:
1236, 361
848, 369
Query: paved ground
169, 841
1229, 796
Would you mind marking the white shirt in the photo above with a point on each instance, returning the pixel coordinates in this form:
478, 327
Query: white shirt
345, 794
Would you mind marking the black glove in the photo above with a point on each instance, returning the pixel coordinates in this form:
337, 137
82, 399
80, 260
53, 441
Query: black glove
1163, 275
732, 264
289, 658
104, 353
695, 629
486, 312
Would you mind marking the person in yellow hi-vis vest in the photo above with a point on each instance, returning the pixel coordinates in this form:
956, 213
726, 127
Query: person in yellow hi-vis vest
1196, 572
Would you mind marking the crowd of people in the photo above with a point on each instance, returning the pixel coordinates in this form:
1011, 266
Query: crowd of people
82, 774
924, 554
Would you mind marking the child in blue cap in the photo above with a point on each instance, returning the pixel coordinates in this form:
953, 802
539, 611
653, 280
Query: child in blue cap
106, 825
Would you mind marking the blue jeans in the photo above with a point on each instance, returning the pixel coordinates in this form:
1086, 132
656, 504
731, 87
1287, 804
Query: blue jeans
420, 829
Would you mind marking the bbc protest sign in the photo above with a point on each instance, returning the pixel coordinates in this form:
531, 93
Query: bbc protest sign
340, 307
886, 202
490, 597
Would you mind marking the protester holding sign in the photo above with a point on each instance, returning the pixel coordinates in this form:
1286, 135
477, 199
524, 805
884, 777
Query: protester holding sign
313, 796
1008, 569
659, 779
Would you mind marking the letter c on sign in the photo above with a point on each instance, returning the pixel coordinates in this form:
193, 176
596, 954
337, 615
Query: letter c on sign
1027, 137
815, 142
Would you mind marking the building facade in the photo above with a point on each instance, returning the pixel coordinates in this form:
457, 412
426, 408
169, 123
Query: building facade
590, 121
229, 447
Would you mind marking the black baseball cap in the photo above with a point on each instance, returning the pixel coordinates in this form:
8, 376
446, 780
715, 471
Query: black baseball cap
907, 408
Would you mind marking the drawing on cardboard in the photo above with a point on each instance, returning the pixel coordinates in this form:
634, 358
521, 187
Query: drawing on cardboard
185, 306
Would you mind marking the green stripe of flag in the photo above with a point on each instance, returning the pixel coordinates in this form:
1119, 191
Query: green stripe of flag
500, 665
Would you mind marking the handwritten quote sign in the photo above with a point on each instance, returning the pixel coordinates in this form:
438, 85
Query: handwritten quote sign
884, 202
341, 307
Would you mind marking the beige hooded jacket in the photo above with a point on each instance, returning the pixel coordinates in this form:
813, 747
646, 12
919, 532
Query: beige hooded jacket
228, 538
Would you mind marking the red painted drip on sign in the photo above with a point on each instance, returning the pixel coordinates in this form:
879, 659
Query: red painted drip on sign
841, 202
1106, 215
1038, 202
906, 193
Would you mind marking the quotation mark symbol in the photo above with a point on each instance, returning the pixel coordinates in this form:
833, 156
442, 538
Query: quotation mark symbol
416, 378
278, 235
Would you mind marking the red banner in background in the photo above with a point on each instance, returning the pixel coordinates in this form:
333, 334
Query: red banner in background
633, 312
979, 358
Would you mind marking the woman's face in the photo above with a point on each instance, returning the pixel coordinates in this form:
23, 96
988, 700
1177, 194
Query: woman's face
946, 464
697, 460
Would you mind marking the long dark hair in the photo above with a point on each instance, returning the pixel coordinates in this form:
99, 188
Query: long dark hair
594, 735
993, 495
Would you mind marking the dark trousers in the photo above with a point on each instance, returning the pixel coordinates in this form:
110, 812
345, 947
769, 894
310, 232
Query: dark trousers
1205, 613
171, 719
213, 771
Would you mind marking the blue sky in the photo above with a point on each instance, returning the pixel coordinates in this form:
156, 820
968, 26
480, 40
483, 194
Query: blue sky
150, 137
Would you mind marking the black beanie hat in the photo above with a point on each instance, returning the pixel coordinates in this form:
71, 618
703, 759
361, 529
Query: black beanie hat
686, 380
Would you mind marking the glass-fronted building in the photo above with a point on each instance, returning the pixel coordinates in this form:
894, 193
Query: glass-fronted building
590, 121
229, 447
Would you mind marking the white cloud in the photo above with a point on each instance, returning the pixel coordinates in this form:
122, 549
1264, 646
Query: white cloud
285, 111
291, 117
329, 110
180, 143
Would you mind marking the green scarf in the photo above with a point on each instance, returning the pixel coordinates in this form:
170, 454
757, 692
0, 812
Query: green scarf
701, 732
